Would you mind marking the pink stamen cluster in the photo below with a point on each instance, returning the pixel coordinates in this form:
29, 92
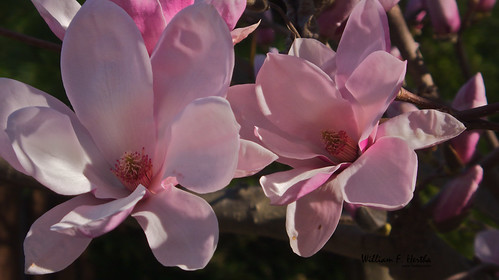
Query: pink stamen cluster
134, 168
340, 145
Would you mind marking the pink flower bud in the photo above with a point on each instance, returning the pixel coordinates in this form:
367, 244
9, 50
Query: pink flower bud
456, 197
485, 6
444, 16
471, 95
487, 246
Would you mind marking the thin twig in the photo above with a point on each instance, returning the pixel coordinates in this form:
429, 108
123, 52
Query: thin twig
30, 40
290, 25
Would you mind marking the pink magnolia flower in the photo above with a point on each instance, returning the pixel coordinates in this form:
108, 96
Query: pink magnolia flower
444, 14
487, 246
150, 16
470, 95
456, 197
141, 126
320, 113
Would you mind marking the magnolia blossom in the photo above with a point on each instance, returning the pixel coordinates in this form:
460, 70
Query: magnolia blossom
470, 95
150, 16
319, 111
487, 246
485, 6
141, 125
444, 14
456, 197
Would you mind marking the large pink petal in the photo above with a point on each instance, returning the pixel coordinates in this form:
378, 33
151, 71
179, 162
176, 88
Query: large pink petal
374, 85
366, 31
242, 99
384, 176
487, 246
96, 220
149, 18
230, 10
172, 7
252, 158
204, 145
108, 79
194, 58
311, 220
289, 146
49, 149
421, 129
301, 99
288, 186
15, 95
312, 50
181, 228
48, 251
57, 14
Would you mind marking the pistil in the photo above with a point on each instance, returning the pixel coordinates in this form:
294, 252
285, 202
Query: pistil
134, 168
340, 145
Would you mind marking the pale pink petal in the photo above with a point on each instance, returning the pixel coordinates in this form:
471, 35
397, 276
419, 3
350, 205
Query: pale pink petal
366, 31
312, 50
487, 246
230, 10
252, 158
48, 148
149, 18
374, 85
289, 146
57, 14
240, 34
95, 220
301, 99
456, 196
384, 176
242, 99
311, 221
16, 95
465, 145
194, 58
288, 186
204, 145
422, 129
172, 7
48, 251
444, 16
108, 79
181, 228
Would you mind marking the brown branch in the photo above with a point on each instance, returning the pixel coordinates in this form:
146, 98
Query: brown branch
290, 25
30, 40
409, 50
475, 272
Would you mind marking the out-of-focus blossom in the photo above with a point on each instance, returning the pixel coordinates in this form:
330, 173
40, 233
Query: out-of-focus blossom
444, 15
332, 18
320, 111
487, 246
150, 16
456, 197
470, 95
265, 35
141, 126
485, 6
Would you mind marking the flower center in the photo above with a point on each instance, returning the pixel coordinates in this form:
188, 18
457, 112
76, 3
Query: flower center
340, 145
133, 169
